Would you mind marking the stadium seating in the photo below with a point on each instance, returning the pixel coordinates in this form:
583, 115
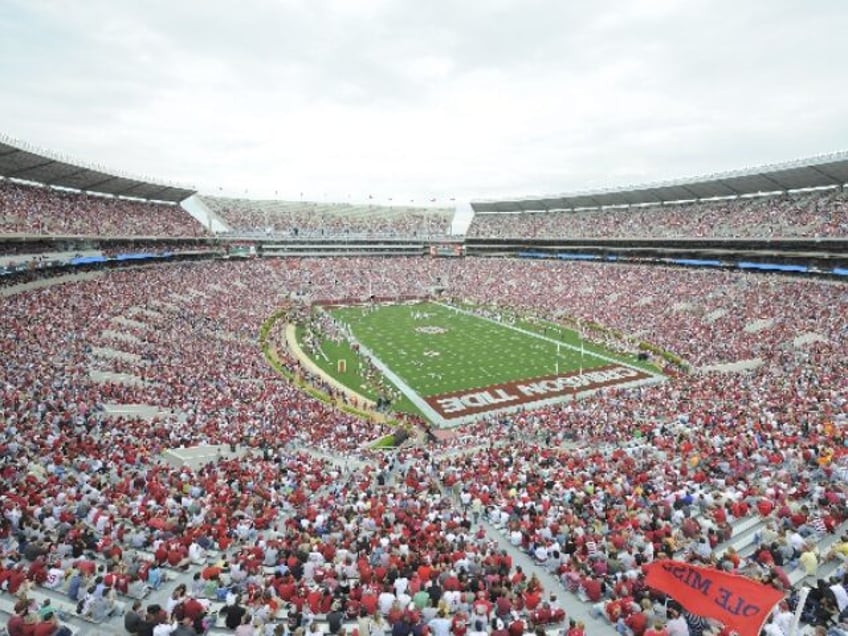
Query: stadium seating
27, 209
322, 220
588, 490
818, 214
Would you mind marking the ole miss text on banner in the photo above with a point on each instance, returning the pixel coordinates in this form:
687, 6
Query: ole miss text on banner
739, 602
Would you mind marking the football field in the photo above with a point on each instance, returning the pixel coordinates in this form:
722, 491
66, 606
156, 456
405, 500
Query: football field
455, 364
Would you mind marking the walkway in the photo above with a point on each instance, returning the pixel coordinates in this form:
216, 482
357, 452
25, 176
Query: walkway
574, 607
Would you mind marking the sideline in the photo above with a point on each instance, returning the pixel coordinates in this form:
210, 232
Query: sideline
296, 350
407, 390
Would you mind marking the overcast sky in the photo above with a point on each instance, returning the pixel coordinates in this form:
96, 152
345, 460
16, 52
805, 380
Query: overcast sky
422, 99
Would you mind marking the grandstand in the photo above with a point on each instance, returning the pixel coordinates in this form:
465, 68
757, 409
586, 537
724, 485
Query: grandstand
58, 214
44, 194
309, 219
792, 215
19, 160
823, 171
819, 214
150, 451
82, 214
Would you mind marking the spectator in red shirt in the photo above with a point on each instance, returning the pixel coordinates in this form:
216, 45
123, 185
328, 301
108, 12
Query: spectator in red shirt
637, 622
657, 629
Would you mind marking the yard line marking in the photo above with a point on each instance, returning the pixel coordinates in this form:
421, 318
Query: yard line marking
600, 356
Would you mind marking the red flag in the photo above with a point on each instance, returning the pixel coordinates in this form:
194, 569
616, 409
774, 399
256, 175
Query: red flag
737, 601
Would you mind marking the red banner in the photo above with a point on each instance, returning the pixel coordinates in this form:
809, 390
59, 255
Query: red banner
739, 602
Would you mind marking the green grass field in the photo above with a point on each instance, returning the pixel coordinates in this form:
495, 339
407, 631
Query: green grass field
436, 350
353, 377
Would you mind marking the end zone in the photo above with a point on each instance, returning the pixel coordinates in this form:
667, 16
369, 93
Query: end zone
459, 405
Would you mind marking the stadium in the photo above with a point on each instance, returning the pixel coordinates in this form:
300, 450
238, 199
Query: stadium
609, 411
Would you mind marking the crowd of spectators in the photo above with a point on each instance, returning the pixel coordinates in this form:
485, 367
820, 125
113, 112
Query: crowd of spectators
663, 472
809, 215
28, 209
704, 317
329, 220
591, 489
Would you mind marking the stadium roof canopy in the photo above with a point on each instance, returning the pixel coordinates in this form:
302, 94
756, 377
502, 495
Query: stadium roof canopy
816, 172
18, 161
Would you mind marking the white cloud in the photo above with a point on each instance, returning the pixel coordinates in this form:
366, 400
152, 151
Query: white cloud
414, 100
